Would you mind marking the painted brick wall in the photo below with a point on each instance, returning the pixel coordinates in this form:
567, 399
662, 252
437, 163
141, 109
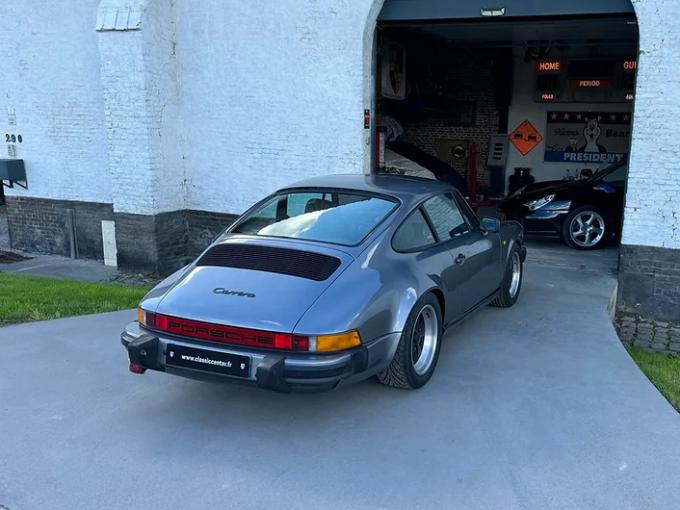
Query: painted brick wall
652, 216
141, 93
50, 79
271, 92
40, 225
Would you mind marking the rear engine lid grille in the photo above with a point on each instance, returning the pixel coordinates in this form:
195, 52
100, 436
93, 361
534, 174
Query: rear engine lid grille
304, 264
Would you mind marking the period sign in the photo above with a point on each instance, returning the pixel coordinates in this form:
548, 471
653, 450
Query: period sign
587, 137
525, 138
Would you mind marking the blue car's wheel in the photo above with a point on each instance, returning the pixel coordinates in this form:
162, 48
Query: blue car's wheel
512, 281
418, 351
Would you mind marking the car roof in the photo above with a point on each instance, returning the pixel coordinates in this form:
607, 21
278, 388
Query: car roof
399, 186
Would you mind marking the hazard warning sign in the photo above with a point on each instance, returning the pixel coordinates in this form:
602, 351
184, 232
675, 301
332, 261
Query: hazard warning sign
525, 138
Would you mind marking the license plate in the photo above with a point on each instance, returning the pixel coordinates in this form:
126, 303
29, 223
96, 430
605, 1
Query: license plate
209, 361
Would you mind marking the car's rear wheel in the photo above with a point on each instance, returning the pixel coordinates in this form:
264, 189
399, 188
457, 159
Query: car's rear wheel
512, 281
585, 228
418, 350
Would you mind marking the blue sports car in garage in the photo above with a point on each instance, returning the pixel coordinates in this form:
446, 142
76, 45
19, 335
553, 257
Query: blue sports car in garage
329, 281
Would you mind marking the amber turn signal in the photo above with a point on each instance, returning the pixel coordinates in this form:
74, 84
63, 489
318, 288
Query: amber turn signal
328, 343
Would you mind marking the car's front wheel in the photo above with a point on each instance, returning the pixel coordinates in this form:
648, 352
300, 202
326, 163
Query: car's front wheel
418, 350
585, 229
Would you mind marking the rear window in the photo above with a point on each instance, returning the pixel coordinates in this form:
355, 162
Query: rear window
318, 215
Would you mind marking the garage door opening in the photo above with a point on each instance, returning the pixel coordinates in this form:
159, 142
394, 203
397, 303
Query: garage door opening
530, 111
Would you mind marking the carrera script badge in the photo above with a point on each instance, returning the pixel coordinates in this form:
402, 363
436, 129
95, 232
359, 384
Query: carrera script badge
237, 293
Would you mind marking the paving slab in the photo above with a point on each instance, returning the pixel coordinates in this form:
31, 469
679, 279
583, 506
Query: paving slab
535, 407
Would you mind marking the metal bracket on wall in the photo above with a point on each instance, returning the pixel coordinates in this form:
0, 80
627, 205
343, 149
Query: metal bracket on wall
14, 172
10, 184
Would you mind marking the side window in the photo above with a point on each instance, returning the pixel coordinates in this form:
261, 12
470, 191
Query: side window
414, 233
446, 218
467, 211
264, 217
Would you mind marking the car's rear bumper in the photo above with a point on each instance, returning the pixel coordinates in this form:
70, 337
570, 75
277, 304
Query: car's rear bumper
280, 371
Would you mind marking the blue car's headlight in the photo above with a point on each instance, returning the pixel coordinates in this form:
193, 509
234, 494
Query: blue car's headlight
539, 202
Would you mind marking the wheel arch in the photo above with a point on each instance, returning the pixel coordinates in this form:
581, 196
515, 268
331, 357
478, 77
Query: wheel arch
439, 294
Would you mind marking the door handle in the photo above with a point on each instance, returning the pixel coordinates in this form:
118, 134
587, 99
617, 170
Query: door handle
460, 259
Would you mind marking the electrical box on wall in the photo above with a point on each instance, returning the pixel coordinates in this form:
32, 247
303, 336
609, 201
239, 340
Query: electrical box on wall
13, 171
498, 150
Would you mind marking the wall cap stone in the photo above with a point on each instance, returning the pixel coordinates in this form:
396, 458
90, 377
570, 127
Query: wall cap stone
112, 18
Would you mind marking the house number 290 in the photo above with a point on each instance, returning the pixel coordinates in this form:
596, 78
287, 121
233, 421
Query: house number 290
12, 138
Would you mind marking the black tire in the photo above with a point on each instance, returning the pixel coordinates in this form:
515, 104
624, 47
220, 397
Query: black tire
401, 372
506, 298
580, 211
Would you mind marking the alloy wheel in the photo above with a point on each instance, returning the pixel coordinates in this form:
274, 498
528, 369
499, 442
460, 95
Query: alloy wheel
587, 229
516, 277
424, 340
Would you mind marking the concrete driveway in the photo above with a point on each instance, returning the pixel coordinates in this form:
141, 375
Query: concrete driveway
536, 407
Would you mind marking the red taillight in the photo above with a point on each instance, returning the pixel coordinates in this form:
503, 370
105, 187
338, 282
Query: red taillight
137, 369
231, 335
150, 319
301, 343
160, 322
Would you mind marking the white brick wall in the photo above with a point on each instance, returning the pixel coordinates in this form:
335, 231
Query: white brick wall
50, 78
141, 91
652, 216
272, 92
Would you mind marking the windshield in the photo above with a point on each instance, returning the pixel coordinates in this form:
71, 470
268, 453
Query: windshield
344, 218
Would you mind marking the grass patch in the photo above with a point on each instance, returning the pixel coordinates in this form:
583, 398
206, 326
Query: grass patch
34, 298
663, 371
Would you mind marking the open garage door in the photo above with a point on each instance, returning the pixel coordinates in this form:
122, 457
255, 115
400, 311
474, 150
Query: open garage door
406, 10
528, 98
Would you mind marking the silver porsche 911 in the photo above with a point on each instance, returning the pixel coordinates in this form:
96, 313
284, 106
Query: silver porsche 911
329, 281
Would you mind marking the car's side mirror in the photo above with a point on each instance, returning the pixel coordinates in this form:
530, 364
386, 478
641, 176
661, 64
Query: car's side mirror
492, 225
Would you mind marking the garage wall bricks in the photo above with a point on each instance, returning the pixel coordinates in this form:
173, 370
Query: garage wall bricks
652, 216
51, 95
271, 93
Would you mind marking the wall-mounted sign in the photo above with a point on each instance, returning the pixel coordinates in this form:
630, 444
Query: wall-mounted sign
548, 66
587, 137
525, 138
393, 76
584, 80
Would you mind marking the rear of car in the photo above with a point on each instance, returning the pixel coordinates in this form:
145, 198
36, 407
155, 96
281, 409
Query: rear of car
235, 312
